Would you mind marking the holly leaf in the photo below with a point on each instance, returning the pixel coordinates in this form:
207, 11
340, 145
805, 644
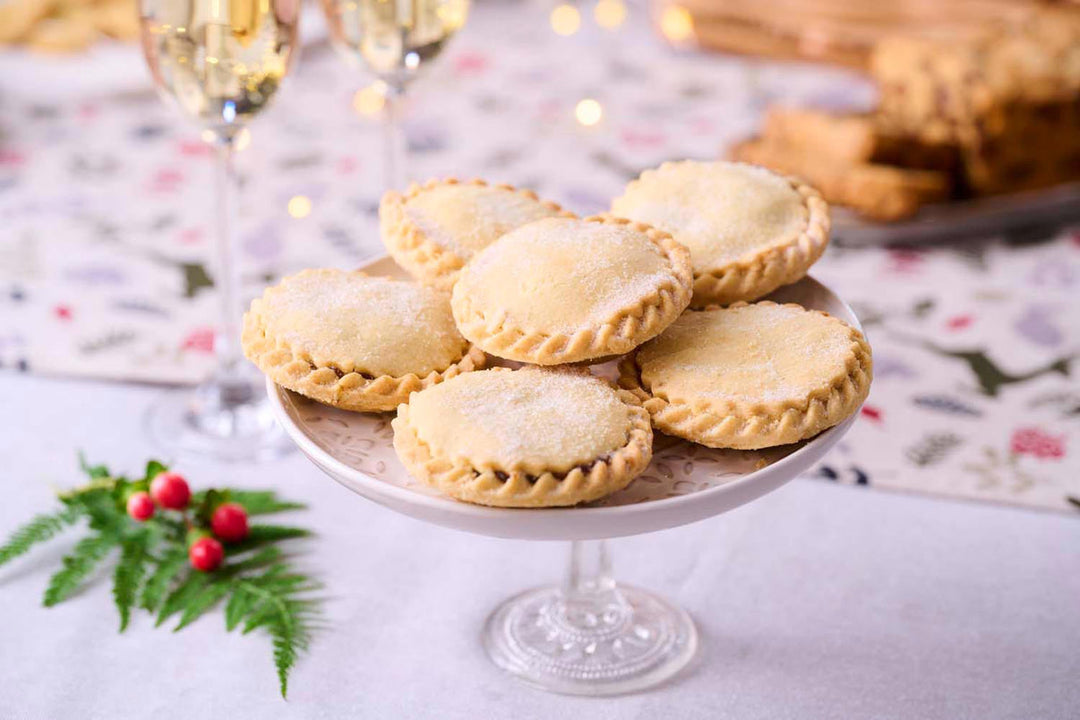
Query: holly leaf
78, 565
128, 575
40, 529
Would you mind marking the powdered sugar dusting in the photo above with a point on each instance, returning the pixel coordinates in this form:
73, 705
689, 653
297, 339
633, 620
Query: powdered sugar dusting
372, 325
757, 353
533, 419
466, 218
720, 211
562, 274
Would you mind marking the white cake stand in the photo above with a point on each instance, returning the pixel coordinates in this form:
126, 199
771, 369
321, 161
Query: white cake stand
587, 636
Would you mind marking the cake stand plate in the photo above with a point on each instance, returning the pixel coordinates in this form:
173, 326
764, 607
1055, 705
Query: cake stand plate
586, 636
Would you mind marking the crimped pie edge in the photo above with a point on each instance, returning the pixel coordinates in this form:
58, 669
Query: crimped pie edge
624, 331
751, 426
295, 371
758, 275
461, 480
426, 260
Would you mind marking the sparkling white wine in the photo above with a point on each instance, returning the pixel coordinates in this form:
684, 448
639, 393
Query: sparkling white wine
221, 60
393, 37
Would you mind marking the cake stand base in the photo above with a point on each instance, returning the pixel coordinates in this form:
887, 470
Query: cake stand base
589, 636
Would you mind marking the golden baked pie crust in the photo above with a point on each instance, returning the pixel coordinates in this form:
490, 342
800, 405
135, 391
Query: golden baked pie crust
626, 329
781, 263
295, 370
753, 425
430, 262
587, 481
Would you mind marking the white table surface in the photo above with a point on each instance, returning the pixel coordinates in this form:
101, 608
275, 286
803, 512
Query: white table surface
818, 601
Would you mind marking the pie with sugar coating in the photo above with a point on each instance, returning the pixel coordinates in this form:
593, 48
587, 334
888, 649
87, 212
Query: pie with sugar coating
534, 437
433, 229
748, 230
564, 290
750, 376
353, 341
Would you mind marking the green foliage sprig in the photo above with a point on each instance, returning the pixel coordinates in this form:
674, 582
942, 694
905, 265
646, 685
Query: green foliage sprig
257, 582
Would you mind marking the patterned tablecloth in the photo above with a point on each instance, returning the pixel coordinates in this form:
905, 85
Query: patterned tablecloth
105, 245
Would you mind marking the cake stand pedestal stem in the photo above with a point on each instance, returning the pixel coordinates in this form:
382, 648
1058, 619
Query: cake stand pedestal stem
589, 595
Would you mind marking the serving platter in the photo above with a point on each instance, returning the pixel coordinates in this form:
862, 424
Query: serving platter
962, 219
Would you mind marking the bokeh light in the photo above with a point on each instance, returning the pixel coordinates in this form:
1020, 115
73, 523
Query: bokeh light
370, 100
565, 19
299, 206
609, 14
588, 112
676, 23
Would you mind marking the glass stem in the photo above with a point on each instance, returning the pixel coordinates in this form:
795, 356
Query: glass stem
394, 143
227, 339
589, 593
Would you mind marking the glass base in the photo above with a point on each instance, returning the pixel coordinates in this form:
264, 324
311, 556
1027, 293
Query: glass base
633, 641
225, 420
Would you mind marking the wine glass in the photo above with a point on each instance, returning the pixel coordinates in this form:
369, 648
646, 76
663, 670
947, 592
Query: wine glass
393, 38
221, 62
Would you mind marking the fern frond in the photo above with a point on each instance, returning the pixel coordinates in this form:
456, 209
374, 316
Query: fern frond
286, 650
211, 594
266, 556
169, 566
262, 589
128, 575
178, 599
263, 608
95, 472
262, 502
38, 530
240, 604
259, 535
287, 619
77, 567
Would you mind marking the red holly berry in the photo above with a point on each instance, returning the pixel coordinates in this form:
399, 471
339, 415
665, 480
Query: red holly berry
140, 507
170, 490
206, 554
229, 522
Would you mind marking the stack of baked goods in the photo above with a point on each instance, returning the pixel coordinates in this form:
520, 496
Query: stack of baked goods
860, 161
996, 111
66, 25
486, 356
